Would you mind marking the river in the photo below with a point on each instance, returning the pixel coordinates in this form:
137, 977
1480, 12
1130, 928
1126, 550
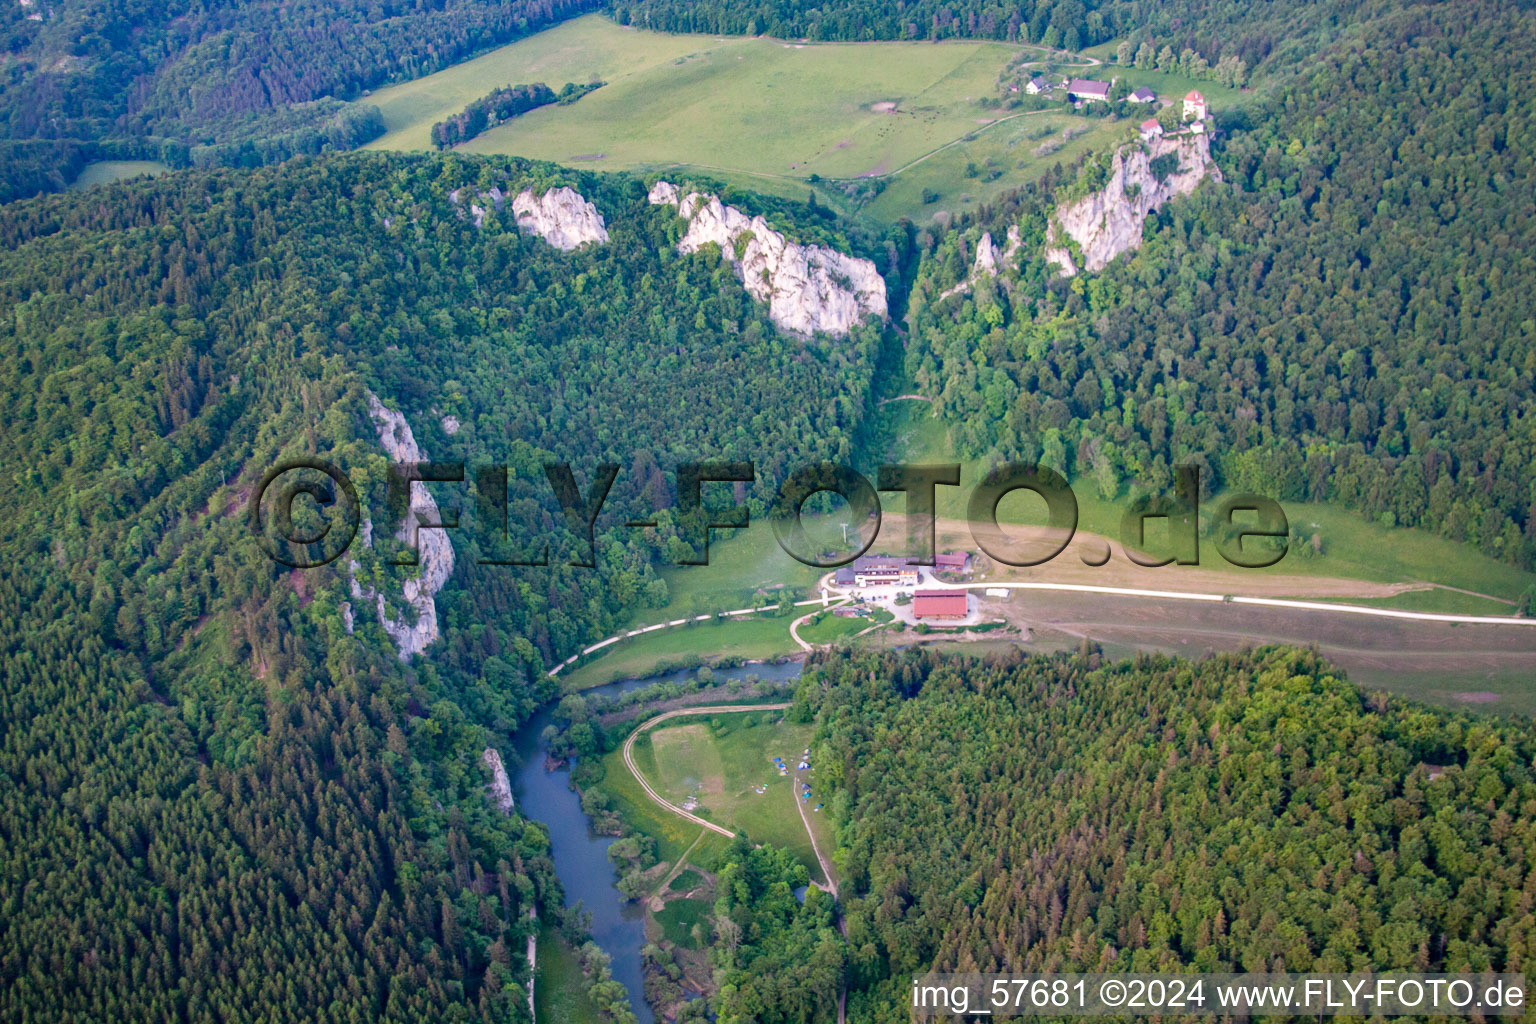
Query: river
581, 858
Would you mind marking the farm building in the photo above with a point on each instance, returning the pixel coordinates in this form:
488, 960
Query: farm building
877, 570
940, 604
955, 562
1142, 95
1037, 86
1150, 128
1087, 89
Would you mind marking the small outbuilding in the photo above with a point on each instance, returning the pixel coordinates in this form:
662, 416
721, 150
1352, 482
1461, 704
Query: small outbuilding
953, 562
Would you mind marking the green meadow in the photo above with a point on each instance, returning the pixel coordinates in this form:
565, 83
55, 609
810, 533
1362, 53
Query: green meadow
760, 636
758, 112
719, 761
103, 172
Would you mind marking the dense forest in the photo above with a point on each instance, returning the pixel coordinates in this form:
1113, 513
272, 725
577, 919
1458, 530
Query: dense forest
1349, 318
218, 796
1243, 813
1276, 31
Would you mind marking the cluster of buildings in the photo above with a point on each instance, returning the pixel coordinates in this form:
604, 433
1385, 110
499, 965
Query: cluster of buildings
1194, 114
1085, 90
887, 570
1088, 90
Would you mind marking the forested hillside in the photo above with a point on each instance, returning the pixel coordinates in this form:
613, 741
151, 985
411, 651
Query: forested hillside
1244, 813
223, 83
1350, 318
217, 795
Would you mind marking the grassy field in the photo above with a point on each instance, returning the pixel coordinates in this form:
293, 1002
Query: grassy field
755, 111
103, 171
673, 835
829, 628
765, 635
719, 761
559, 989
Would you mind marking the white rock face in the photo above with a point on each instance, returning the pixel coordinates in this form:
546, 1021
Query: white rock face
500, 787
560, 216
450, 425
1108, 222
808, 288
434, 551
986, 257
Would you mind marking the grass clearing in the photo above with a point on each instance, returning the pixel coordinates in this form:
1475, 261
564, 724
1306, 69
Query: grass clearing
102, 172
763, 113
673, 835
829, 627
721, 761
678, 920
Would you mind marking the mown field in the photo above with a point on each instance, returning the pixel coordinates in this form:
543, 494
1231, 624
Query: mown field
719, 761
756, 111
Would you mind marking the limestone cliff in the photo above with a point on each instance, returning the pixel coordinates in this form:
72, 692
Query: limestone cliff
1108, 222
434, 551
808, 288
560, 216
500, 785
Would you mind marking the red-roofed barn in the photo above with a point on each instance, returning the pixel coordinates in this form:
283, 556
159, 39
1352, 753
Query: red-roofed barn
940, 604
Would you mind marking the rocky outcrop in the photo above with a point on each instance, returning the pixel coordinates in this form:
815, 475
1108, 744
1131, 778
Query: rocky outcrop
1108, 222
434, 551
988, 260
500, 786
808, 288
560, 216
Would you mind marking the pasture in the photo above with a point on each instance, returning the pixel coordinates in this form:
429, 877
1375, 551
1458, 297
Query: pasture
773, 115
